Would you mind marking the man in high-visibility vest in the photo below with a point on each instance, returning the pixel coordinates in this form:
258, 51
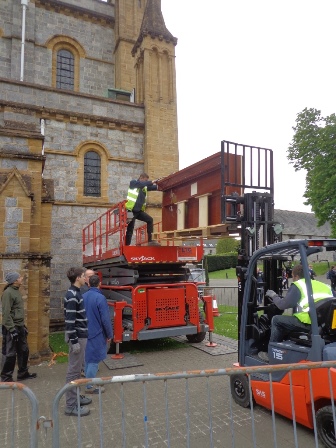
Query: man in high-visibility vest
136, 203
297, 298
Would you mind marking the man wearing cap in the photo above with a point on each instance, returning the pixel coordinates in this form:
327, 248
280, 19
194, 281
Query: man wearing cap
14, 331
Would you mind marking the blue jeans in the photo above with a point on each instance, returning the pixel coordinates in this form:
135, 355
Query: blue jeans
282, 326
91, 370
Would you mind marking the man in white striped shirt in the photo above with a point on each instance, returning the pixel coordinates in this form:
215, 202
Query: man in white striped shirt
76, 333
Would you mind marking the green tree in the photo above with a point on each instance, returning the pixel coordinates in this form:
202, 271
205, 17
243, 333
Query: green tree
226, 245
313, 149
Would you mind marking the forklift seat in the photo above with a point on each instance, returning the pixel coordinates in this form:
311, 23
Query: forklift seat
326, 320
326, 317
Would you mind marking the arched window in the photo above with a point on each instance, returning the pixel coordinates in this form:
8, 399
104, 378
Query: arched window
66, 56
92, 174
65, 75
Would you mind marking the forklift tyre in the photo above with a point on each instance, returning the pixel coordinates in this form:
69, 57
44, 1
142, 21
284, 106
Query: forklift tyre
325, 426
240, 390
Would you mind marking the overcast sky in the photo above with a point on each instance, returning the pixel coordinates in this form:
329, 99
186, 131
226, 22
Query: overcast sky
245, 69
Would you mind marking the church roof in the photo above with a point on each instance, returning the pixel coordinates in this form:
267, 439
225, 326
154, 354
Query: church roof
300, 223
153, 25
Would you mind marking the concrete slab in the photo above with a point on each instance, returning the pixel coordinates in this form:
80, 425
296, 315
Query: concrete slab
223, 346
128, 360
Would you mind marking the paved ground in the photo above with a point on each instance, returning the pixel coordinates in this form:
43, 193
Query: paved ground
133, 415
196, 413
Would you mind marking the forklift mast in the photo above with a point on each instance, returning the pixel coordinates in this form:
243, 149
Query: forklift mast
250, 209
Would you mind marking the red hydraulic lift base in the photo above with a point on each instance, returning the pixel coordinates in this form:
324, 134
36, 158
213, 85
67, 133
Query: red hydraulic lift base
210, 343
117, 355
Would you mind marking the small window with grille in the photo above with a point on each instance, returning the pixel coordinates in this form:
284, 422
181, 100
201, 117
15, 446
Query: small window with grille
92, 174
65, 70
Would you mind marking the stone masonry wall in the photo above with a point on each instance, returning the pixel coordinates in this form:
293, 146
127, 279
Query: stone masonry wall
25, 218
66, 247
70, 103
65, 132
75, 122
94, 36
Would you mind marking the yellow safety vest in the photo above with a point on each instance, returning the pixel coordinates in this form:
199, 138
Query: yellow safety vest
320, 291
132, 196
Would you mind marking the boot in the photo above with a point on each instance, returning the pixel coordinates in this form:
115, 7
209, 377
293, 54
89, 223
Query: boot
8, 369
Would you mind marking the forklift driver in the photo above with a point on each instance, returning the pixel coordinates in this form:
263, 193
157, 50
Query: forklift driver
297, 299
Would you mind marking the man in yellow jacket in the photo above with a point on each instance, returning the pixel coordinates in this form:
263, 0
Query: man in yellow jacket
136, 203
297, 298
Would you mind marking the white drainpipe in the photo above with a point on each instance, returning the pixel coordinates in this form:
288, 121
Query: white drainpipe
24, 4
42, 132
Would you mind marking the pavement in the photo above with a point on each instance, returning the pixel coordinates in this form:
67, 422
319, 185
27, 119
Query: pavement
200, 411
197, 412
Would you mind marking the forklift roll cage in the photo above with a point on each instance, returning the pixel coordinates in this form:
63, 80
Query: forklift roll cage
273, 255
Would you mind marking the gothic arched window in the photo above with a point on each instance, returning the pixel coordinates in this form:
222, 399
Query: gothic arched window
92, 174
65, 66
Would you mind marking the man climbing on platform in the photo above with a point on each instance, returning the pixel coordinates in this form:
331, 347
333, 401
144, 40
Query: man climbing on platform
136, 203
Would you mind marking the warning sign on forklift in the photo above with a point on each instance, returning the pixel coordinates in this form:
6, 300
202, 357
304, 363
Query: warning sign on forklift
185, 253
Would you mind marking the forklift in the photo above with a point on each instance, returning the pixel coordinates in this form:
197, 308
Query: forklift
319, 344
302, 394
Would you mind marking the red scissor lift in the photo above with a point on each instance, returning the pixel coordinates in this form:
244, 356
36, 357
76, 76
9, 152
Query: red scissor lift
146, 286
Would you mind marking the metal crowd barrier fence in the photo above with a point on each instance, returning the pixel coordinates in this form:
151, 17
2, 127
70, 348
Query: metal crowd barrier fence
12, 404
192, 409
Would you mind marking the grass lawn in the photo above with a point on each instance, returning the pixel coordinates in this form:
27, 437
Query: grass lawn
227, 323
225, 273
321, 268
60, 348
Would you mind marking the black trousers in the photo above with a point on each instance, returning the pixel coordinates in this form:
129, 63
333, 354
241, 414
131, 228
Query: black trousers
141, 216
13, 351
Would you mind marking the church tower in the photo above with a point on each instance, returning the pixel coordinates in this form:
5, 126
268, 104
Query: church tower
154, 54
128, 19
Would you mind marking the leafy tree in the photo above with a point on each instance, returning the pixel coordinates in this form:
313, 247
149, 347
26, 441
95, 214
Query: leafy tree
226, 245
313, 149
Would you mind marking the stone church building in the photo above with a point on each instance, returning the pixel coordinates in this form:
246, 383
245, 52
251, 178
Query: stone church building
87, 102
